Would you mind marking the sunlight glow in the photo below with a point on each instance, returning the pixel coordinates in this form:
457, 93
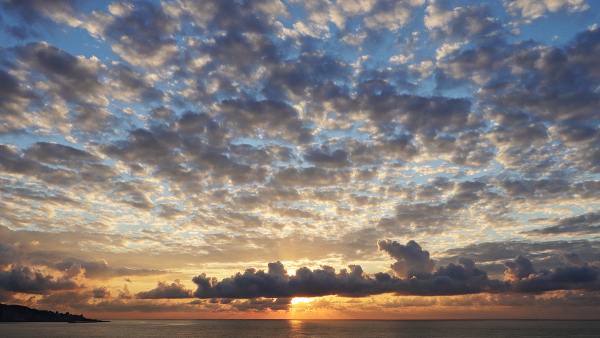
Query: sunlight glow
302, 300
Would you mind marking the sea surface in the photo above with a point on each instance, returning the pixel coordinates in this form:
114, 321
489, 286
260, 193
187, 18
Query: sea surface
306, 328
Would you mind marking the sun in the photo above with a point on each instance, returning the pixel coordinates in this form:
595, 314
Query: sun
297, 300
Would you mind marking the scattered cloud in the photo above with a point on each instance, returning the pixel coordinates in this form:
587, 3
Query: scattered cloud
145, 140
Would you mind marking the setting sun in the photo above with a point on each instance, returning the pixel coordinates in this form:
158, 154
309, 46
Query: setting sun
302, 300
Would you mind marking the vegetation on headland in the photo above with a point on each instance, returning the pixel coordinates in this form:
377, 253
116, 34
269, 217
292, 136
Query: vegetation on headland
19, 313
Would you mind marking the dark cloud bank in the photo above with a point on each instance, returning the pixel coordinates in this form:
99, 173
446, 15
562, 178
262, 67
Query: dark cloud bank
30, 280
414, 273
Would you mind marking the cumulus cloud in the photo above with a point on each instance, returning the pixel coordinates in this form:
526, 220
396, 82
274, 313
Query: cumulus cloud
417, 276
9, 254
100, 292
164, 290
411, 259
30, 280
518, 269
560, 278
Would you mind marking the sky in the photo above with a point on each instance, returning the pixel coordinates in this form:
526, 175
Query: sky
391, 159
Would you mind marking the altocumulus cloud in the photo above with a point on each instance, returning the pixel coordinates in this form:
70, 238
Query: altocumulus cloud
153, 140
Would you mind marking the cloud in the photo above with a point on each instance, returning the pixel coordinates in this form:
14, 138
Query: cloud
142, 34
311, 176
184, 135
568, 277
102, 270
14, 101
30, 280
390, 15
274, 118
128, 85
546, 254
337, 158
31, 11
518, 269
531, 9
572, 258
411, 259
424, 216
72, 78
460, 22
164, 290
256, 16
143, 146
418, 273
261, 304
12, 162
9, 254
586, 223
100, 292
57, 154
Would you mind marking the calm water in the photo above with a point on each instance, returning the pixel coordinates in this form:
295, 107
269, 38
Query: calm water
304, 328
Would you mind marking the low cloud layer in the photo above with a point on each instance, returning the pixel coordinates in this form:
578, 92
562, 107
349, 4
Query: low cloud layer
164, 290
29, 280
415, 274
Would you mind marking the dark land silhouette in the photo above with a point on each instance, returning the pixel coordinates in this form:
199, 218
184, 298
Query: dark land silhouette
18, 313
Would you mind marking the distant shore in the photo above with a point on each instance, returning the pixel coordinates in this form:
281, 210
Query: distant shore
19, 313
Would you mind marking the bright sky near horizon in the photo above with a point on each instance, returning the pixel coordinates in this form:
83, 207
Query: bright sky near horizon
301, 159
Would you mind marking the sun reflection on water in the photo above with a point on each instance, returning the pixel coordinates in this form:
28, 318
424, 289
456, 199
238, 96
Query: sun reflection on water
296, 328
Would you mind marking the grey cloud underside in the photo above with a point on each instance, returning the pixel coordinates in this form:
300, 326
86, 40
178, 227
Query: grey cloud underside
164, 290
588, 223
415, 272
444, 21
102, 270
307, 283
555, 87
441, 125
19, 272
29, 280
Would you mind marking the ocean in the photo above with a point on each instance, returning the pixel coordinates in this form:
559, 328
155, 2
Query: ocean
306, 328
